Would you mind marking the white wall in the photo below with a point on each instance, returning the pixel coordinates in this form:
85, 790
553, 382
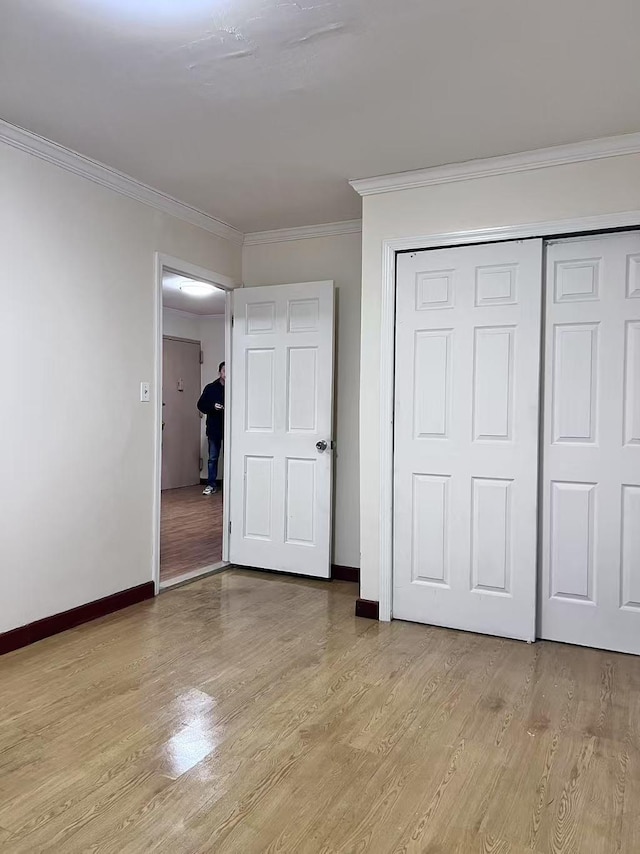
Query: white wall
559, 192
209, 330
77, 337
180, 324
317, 259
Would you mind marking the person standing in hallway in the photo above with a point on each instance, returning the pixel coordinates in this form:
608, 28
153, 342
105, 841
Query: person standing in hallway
211, 404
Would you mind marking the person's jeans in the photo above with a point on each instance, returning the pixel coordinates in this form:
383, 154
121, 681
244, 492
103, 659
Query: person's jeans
215, 445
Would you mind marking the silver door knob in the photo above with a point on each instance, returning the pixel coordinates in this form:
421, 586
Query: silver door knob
322, 445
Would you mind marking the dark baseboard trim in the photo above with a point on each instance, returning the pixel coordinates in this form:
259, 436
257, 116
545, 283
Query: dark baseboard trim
45, 628
367, 608
345, 573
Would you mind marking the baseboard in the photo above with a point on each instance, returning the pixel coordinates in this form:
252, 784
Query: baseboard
367, 608
53, 625
345, 573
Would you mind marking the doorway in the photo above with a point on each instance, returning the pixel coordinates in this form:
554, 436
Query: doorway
276, 465
471, 428
193, 321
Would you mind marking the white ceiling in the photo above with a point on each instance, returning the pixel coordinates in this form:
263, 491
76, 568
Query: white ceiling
173, 297
259, 111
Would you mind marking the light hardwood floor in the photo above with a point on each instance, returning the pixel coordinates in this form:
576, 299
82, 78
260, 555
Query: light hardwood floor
254, 713
190, 531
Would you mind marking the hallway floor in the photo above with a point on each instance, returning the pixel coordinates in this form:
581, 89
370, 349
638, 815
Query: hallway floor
190, 531
249, 713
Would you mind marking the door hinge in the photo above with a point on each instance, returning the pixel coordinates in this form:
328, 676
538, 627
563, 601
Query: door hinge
201, 357
201, 463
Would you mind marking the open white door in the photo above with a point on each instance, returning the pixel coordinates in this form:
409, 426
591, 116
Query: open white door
466, 437
281, 428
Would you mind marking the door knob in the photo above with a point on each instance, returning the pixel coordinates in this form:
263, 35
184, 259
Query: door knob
322, 445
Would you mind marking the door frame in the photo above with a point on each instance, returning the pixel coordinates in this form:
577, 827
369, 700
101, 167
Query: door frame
390, 249
185, 268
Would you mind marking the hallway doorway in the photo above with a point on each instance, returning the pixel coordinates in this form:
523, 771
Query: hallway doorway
192, 495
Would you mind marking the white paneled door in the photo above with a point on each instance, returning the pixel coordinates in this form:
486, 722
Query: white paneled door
590, 586
281, 428
466, 437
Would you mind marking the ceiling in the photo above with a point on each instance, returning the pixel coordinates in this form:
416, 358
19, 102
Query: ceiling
259, 111
173, 297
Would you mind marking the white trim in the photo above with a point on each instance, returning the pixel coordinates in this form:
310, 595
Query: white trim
305, 232
190, 314
228, 396
157, 424
176, 265
390, 247
541, 158
85, 167
193, 271
387, 382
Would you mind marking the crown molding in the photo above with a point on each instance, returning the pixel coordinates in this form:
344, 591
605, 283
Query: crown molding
541, 158
85, 167
305, 232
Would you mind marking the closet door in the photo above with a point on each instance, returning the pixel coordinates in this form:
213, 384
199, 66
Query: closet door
466, 437
591, 473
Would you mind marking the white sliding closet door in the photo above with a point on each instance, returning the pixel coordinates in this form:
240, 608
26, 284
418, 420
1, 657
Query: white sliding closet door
466, 437
590, 592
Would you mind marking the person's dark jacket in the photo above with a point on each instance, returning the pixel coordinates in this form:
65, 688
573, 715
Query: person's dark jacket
212, 394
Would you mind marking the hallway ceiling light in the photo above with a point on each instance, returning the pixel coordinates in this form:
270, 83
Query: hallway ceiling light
197, 289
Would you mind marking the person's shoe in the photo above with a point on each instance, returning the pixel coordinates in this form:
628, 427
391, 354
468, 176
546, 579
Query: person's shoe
208, 490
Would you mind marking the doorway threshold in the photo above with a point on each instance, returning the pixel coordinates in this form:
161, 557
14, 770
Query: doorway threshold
187, 577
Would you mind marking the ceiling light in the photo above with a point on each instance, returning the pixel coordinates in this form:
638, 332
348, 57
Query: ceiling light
197, 289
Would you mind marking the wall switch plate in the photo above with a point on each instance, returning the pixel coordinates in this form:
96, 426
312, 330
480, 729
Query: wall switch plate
145, 392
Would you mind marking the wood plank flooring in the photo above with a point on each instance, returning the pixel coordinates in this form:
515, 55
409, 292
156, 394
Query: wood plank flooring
190, 531
252, 712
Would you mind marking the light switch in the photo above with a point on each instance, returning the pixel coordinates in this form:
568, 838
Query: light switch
145, 392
